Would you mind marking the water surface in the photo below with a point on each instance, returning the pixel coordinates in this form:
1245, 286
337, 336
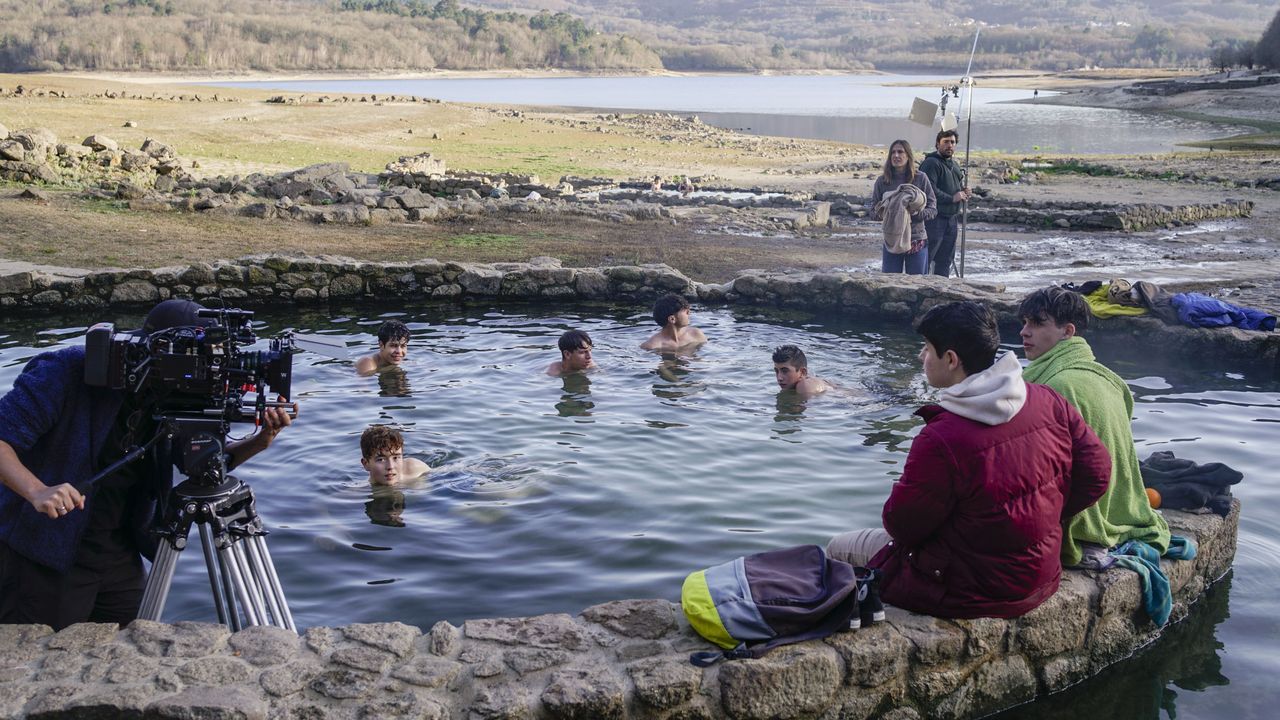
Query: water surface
552, 494
865, 109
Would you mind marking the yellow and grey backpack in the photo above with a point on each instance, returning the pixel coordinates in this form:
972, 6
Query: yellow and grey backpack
755, 603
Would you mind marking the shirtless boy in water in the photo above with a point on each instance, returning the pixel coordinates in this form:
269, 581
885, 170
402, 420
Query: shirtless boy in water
575, 354
791, 369
393, 347
382, 455
672, 313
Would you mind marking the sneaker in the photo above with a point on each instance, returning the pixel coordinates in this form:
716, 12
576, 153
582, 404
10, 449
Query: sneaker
871, 610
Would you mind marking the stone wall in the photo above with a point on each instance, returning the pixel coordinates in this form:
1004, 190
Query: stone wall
258, 280
624, 659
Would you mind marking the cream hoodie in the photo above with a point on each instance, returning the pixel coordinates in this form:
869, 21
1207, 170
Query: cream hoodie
991, 397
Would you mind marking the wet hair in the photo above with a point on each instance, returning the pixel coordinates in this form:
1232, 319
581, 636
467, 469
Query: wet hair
1059, 305
574, 340
911, 161
392, 330
380, 439
967, 328
668, 305
946, 133
790, 355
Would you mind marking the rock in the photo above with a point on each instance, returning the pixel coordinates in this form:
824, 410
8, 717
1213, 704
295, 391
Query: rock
556, 631
343, 684
264, 645
501, 702
795, 681
209, 703
39, 196
12, 150
40, 142
363, 658
346, 285
527, 660
181, 639
130, 191
130, 123
650, 619
286, 680
215, 671
587, 694
443, 639
428, 672
422, 163
100, 142
665, 683
83, 636
136, 292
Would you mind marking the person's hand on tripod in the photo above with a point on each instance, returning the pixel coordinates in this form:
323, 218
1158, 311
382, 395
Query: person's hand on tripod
57, 501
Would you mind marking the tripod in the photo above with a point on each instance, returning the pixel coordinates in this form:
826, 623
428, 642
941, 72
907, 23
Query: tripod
242, 577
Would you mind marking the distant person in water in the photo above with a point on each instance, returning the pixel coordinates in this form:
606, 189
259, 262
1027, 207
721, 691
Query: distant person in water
671, 311
656, 185
890, 204
393, 347
791, 369
575, 354
686, 185
382, 456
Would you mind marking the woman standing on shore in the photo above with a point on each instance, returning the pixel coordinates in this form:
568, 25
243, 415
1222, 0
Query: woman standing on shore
899, 170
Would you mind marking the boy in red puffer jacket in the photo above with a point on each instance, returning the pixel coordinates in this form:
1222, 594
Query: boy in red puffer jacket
973, 528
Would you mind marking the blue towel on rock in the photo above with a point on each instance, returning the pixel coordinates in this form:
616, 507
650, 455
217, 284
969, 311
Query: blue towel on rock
1157, 597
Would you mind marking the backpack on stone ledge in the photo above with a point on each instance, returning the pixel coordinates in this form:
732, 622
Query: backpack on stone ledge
756, 603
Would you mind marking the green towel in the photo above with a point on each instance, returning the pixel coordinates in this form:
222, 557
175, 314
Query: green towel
1124, 512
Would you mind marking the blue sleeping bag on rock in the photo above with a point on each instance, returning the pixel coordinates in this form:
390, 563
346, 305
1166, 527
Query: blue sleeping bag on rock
1199, 310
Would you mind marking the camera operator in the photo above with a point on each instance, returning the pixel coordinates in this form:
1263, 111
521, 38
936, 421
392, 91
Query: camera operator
70, 553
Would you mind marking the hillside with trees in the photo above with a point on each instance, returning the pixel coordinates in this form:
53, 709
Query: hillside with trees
920, 34
623, 35
299, 35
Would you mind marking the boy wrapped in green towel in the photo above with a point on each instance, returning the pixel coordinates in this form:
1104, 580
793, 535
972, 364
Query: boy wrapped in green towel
1052, 319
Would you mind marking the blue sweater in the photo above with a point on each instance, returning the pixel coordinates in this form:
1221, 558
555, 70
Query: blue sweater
58, 427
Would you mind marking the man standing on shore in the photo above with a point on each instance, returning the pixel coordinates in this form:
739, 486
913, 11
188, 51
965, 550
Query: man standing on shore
948, 183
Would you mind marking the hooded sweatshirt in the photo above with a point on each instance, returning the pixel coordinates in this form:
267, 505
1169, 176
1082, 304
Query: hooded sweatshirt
976, 518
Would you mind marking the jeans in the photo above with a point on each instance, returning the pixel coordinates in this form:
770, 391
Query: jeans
942, 242
913, 263
859, 546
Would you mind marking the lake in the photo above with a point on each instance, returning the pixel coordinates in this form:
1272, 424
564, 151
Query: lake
551, 494
863, 109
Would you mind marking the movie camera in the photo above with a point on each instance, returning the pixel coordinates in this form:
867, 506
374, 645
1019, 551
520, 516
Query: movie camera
197, 379
201, 369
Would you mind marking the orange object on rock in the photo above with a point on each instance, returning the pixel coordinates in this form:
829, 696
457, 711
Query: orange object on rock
1154, 496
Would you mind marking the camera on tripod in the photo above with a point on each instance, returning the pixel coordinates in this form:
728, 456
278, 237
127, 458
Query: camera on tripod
196, 378
197, 369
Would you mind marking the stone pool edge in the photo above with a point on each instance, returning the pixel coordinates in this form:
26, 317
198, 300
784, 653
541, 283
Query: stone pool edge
624, 659
258, 280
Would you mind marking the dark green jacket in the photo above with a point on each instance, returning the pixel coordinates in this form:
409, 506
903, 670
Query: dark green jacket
947, 179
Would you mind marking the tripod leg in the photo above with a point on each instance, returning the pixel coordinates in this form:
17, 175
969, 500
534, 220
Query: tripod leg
274, 593
232, 563
225, 613
157, 590
252, 580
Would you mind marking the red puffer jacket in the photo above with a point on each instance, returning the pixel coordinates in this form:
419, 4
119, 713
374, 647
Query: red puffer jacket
976, 517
